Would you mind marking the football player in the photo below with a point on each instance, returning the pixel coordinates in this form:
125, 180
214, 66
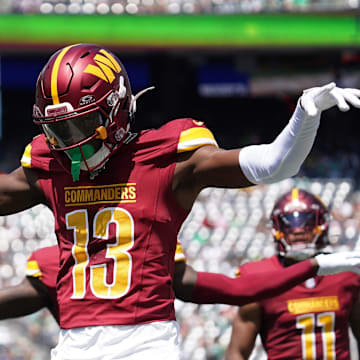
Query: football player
311, 320
119, 199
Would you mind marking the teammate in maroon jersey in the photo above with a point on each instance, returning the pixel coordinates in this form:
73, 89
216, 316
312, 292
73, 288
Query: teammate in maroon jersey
38, 289
119, 200
311, 320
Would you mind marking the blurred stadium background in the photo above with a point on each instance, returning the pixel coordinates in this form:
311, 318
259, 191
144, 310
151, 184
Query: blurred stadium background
239, 66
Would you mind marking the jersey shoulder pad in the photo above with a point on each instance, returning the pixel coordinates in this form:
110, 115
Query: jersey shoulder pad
37, 154
193, 134
179, 253
267, 264
186, 134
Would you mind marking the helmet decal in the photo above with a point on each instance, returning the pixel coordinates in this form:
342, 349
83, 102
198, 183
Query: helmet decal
106, 66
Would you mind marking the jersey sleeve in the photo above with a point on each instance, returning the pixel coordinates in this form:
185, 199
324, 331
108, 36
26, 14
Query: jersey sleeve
43, 264
264, 265
33, 268
179, 253
37, 155
193, 135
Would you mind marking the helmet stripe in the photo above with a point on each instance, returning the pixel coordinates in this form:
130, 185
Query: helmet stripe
295, 194
54, 75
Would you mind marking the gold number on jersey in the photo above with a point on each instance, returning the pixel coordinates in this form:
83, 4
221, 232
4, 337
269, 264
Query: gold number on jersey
307, 324
117, 252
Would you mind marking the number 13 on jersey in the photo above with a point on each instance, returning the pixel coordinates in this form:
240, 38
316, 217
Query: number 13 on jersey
78, 221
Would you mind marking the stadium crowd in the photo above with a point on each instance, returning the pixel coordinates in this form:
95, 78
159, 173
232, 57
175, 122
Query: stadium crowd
141, 7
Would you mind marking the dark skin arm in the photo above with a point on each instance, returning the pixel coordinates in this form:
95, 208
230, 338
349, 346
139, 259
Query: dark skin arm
184, 280
19, 190
246, 326
23, 299
207, 166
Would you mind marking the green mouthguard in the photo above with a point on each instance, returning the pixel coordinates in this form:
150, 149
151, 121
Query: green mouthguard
76, 157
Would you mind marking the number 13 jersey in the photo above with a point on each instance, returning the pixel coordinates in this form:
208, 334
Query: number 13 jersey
117, 233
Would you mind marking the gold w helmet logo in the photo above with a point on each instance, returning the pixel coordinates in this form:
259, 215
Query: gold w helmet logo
105, 67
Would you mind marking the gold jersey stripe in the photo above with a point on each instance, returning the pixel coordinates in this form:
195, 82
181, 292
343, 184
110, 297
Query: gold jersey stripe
194, 138
54, 75
179, 253
33, 269
26, 158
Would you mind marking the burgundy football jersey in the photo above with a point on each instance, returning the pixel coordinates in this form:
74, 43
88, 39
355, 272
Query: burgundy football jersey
44, 265
311, 320
117, 233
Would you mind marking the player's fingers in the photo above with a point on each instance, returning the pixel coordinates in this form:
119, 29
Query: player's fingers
354, 91
339, 97
351, 96
326, 89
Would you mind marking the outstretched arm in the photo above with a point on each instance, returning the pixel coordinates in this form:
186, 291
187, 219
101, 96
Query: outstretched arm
260, 164
211, 288
246, 326
20, 300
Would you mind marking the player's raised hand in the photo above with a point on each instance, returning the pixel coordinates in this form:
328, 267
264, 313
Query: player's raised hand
317, 99
338, 262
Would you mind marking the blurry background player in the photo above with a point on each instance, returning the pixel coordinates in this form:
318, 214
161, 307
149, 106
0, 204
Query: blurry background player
310, 321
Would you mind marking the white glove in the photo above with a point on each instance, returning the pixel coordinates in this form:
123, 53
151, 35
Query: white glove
318, 99
338, 262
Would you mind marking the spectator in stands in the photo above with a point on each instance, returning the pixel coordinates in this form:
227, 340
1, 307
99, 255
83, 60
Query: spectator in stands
311, 320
